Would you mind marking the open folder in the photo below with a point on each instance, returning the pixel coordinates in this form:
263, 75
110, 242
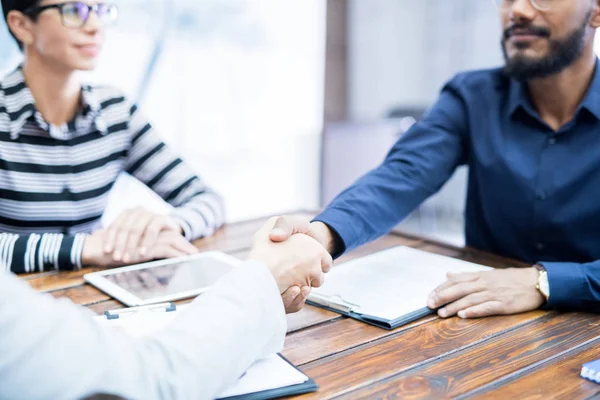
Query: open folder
269, 378
389, 288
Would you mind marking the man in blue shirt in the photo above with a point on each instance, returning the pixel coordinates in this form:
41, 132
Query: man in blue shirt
530, 134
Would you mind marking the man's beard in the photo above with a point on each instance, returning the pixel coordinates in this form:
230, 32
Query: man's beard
562, 54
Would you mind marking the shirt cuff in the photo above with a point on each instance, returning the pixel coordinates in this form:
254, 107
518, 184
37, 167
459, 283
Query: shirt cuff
259, 276
337, 221
182, 223
566, 282
77, 250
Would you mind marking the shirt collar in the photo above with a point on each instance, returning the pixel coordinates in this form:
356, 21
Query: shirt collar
519, 96
22, 106
591, 101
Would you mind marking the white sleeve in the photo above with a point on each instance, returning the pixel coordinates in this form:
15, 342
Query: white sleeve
52, 349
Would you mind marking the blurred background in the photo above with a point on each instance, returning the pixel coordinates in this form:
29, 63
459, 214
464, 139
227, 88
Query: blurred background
280, 104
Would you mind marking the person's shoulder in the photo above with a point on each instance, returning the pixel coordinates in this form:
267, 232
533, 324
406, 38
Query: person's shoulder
4, 117
12, 81
479, 81
10, 85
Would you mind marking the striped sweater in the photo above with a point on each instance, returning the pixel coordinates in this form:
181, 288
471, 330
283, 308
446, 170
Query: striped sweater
55, 180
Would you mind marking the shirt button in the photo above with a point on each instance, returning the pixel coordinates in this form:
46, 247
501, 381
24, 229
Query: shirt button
540, 246
541, 195
551, 141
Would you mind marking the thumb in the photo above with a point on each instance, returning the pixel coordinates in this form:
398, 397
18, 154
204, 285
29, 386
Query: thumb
285, 227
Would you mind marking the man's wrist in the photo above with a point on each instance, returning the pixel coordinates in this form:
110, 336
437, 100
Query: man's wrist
326, 236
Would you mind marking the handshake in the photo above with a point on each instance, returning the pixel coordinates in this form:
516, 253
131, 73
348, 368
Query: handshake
297, 253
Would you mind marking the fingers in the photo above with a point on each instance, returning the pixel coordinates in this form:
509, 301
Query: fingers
317, 279
326, 262
285, 227
289, 297
453, 279
166, 251
458, 277
453, 293
181, 244
136, 230
483, 310
121, 233
464, 303
151, 232
171, 244
299, 302
112, 230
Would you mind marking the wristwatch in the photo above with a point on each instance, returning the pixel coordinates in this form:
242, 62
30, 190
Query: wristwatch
542, 284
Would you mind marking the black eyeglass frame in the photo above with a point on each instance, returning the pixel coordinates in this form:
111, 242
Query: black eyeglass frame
37, 10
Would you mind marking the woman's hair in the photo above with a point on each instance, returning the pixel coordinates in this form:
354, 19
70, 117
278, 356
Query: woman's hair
17, 5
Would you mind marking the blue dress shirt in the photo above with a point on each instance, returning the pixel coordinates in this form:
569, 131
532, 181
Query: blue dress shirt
533, 193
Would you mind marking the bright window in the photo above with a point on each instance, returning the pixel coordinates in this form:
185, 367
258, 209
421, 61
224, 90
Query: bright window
236, 86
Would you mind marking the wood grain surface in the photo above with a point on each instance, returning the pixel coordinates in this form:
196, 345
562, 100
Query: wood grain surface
537, 355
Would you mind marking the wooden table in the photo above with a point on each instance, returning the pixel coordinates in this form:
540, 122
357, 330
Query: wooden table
533, 355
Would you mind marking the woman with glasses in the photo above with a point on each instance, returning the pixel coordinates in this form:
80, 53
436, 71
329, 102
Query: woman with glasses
63, 144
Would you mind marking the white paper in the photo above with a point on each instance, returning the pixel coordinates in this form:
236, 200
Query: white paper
391, 283
269, 373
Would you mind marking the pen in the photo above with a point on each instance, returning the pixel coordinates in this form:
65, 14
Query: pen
165, 307
328, 302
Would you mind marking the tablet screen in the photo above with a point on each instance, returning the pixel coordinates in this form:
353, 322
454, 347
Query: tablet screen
165, 280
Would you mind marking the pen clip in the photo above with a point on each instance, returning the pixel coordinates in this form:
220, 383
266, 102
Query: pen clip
330, 302
162, 307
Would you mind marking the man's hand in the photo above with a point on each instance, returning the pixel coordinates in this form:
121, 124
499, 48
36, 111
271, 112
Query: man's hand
285, 227
297, 264
294, 298
481, 294
168, 245
134, 233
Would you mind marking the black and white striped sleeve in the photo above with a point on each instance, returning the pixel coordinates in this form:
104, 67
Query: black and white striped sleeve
198, 209
40, 252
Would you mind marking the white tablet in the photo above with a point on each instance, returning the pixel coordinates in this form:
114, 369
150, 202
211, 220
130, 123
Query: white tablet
165, 280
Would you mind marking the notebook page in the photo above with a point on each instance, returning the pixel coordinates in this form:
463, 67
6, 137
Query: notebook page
391, 283
269, 373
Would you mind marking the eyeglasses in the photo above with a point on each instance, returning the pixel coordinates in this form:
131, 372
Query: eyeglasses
74, 14
541, 5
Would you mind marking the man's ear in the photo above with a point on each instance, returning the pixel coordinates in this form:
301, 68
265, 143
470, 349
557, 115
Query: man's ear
21, 26
595, 18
